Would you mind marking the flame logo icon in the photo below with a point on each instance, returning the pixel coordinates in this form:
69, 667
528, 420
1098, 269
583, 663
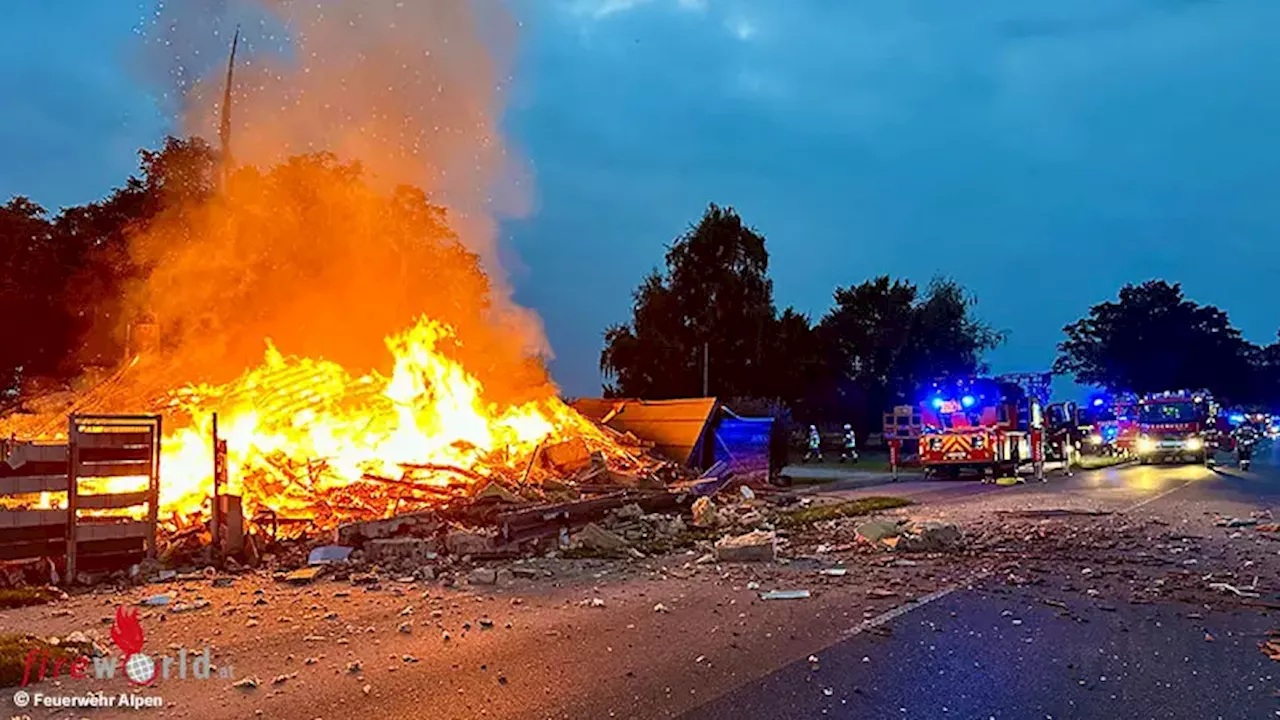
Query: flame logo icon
126, 633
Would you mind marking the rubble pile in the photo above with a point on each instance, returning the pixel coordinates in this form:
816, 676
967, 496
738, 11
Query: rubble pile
562, 471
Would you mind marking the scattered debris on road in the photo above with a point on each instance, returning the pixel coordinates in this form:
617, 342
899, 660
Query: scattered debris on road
785, 595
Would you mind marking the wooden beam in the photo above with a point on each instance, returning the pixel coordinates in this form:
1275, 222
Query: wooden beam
33, 484
110, 554
88, 531
34, 467
113, 501
138, 453
25, 452
73, 490
107, 440
31, 549
153, 502
31, 518
114, 421
113, 469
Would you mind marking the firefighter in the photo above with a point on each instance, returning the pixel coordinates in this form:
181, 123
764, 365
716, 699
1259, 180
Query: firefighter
1064, 440
815, 444
850, 451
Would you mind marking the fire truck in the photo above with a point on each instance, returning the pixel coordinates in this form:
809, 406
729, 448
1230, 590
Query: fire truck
1175, 425
1108, 425
1126, 410
990, 425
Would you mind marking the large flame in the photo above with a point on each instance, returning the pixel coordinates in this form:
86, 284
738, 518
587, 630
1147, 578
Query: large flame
298, 428
361, 195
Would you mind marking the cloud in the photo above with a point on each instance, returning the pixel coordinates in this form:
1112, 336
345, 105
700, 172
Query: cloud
600, 9
741, 28
912, 139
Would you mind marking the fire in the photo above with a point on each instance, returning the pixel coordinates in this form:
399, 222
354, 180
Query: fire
358, 185
301, 429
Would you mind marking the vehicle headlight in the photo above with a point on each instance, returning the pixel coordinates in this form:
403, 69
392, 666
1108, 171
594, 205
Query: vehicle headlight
1146, 444
1095, 439
1195, 443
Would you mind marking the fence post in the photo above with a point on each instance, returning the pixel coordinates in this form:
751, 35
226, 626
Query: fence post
72, 500
215, 508
153, 490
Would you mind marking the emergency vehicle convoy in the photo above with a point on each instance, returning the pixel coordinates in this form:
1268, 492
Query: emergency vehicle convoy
983, 424
1175, 425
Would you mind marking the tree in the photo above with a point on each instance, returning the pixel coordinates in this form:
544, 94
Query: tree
63, 280
947, 338
883, 339
713, 300
1267, 375
30, 277
1152, 339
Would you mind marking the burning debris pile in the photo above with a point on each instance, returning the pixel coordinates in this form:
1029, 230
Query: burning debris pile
307, 439
355, 226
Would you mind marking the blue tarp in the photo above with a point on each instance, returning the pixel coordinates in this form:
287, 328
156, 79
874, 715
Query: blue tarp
744, 444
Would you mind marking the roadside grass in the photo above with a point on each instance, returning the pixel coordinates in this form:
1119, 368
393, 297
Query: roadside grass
26, 597
852, 508
14, 649
869, 461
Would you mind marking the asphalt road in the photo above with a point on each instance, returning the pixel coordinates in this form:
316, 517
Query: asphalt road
983, 654
986, 651
921, 638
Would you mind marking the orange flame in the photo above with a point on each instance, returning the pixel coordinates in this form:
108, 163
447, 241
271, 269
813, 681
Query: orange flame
297, 427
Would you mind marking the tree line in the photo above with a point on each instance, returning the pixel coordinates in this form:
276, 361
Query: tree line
1153, 338
309, 252
708, 317
63, 275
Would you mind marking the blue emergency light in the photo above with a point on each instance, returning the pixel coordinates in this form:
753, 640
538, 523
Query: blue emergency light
937, 403
1097, 402
967, 401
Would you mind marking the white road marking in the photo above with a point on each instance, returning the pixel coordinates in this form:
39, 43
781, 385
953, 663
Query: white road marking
1156, 497
916, 604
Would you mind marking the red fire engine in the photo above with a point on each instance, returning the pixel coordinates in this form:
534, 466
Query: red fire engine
1175, 425
1126, 410
984, 424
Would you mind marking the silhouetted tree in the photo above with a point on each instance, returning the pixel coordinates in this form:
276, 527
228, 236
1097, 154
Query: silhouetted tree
1153, 338
883, 339
62, 279
31, 277
715, 293
1267, 375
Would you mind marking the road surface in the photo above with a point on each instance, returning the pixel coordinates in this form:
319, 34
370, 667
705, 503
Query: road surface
983, 651
1092, 604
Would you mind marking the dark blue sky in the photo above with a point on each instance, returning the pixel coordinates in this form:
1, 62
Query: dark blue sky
1042, 153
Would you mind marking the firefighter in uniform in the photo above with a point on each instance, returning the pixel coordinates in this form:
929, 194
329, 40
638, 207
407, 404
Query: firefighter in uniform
850, 451
815, 444
1066, 441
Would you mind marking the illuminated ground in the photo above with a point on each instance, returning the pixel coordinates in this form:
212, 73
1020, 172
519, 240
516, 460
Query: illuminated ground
722, 652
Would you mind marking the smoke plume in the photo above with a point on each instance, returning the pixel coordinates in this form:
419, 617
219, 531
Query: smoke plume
354, 123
